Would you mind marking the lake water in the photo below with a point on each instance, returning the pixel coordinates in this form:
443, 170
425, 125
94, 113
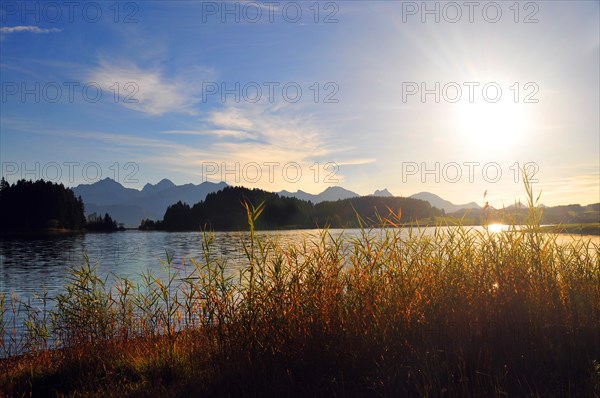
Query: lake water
28, 266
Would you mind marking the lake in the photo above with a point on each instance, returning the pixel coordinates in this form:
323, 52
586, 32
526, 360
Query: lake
28, 266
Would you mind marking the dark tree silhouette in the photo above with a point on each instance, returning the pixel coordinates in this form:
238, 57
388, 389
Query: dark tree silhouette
223, 210
101, 224
39, 204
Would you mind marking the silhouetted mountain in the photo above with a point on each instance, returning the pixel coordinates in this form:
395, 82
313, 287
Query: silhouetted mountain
105, 192
160, 186
188, 193
329, 194
129, 206
443, 204
520, 205
384, 193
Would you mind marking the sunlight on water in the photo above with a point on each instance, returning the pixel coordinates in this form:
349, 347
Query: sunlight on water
496, 228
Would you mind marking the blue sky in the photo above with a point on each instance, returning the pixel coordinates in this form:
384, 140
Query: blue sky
366, 129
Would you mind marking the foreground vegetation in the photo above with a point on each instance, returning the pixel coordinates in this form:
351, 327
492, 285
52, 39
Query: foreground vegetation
391, 313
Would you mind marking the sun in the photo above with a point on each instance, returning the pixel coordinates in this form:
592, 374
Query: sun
492, 125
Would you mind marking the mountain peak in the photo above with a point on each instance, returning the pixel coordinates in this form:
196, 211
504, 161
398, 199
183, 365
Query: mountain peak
166, 181
440, 203
329, 194
107, 182
160, 186
383, 192
335, 188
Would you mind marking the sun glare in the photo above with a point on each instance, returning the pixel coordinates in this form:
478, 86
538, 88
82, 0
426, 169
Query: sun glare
497, 228
492, 125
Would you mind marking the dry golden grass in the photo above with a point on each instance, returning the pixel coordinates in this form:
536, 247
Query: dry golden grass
390, 313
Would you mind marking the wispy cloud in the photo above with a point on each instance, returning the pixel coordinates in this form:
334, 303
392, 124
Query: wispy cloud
149, 90
268, 133
262, 134
221, 133
356, 161
231, 118
280, 134
28, 28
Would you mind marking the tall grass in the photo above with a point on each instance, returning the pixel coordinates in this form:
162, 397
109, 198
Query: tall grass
389, 313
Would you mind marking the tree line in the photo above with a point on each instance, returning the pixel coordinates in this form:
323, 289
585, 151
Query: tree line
37, 205
224, 211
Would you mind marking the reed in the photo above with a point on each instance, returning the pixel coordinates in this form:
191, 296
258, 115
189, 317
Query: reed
393, 312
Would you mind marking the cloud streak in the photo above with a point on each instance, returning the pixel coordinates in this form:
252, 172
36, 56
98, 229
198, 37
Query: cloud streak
150, 91
28, 28
221, 133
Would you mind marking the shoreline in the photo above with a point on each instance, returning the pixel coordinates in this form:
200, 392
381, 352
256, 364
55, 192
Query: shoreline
570, 229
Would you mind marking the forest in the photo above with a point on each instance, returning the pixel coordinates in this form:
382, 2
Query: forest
44, 206
39, 205
224, 211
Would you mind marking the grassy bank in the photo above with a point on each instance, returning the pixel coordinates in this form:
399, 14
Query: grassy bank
458, 313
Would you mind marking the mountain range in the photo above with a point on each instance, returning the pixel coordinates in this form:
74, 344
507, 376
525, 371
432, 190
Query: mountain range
443, 204
329, 194
129, 206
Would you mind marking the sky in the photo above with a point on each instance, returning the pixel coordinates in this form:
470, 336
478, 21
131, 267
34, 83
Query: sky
453, 98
